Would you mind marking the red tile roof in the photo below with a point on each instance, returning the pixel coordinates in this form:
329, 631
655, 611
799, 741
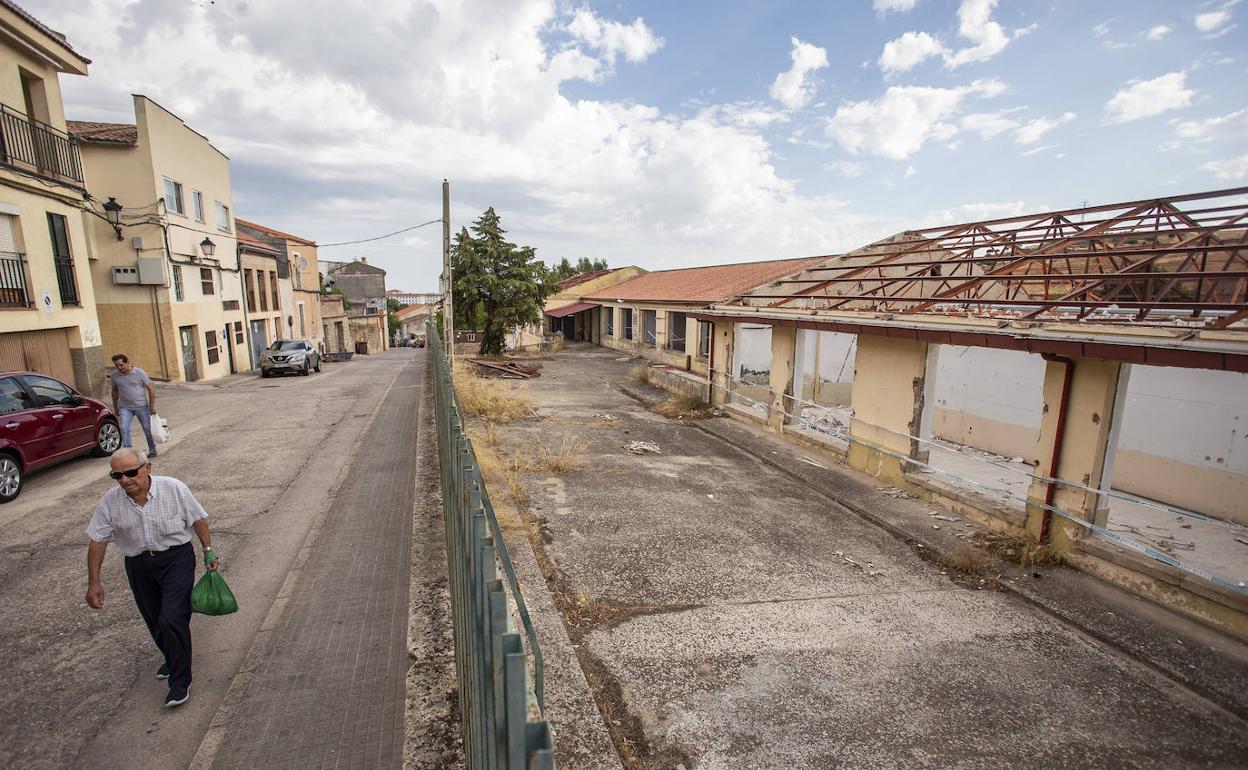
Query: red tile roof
103, 133
583, 277
717, 283
274, 233
254, 244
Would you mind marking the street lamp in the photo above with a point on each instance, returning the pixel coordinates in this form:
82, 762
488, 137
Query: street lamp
112, 212
207, 246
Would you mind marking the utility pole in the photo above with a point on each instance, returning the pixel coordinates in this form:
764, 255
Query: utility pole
448, 301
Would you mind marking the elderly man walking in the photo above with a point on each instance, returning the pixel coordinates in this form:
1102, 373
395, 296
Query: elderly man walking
151, 519
133, 396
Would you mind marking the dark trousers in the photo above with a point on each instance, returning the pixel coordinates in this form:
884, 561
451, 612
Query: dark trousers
161, 583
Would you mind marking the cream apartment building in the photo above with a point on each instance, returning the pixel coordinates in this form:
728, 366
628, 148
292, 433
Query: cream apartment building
167, 283
48, 317
300, 290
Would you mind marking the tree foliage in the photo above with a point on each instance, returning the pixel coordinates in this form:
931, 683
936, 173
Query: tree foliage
565, 269
393, 306
497, 284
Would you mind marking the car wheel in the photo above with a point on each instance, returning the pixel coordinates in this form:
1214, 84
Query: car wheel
10, 477
318, 364
306, 370
264, 373
107, 439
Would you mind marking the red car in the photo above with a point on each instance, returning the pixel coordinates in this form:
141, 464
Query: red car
44, 421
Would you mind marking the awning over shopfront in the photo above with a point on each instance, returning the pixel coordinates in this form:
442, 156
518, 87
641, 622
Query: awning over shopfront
567, 310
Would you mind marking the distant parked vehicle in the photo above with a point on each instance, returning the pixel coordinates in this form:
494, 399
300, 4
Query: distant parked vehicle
290, 356
43, 422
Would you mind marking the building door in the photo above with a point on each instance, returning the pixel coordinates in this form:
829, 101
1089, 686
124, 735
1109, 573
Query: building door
190, 364
258, 342
45, 352
342, 342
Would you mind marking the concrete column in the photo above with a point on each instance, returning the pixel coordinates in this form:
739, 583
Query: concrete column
890, 380
783, 356
1094, 405
722, 351
802, 355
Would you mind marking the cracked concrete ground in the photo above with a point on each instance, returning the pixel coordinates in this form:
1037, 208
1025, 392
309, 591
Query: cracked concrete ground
728, 616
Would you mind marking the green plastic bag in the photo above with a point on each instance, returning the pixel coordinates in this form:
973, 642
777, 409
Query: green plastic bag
211, 596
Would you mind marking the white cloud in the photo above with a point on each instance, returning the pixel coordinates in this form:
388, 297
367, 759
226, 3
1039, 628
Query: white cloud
1209, 22
988, 124
884, 6
1102, 29
1230, 169
910, 171
974, 212
1040, 149
745, 114
636, 42
975, 24
1144, 98
1027, 30
907, 51
1230, 125
794, 88
1033, 131
1156, 33
846, 169
898, 123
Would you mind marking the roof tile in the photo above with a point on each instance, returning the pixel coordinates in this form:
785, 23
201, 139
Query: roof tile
103, 133
717, 283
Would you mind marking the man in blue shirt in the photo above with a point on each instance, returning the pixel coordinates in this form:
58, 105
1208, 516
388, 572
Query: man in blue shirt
133, 396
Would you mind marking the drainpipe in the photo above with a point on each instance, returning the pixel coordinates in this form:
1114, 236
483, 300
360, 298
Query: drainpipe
710, 366
1058, 434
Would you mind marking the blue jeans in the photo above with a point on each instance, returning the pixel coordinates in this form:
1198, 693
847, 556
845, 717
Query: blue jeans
145, 419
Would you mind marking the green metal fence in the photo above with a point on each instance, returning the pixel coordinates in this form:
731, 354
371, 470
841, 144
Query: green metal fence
502, 716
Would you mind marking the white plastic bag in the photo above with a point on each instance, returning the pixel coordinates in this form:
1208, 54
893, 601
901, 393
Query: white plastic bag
160, 429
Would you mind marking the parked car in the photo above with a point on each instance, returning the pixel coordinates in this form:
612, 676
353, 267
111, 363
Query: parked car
43, 421
290, 356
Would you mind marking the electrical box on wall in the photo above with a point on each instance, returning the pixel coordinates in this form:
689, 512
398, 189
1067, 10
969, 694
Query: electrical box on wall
137, 242
125, 275
152, 271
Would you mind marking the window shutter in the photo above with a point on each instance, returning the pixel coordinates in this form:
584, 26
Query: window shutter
8, 242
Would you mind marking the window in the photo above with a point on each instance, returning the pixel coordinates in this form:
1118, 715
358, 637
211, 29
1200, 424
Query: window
626, 322
609, 320
264, 296
238, 332
649, 322
704, 339
197, 199
295, 272
173, 197
66, 281
13, 397
303, 330
676, 323
49, 392
251, 290
273, 290
223, 217
177, 283
205, 281
210, 342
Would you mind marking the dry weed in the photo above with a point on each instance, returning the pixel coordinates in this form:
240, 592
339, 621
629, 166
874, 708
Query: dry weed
495, 401
566, 455
640, 373
684, 405
1019, 551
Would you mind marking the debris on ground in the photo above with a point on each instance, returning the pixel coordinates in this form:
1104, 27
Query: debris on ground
942, 517
899, 494
642, 447
606, 416
809, 461
512, 370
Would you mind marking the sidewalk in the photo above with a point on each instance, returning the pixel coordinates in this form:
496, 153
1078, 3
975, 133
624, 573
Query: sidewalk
327, 686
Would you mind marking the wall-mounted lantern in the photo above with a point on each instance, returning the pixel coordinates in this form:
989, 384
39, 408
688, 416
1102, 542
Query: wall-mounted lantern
112, 212
207, 247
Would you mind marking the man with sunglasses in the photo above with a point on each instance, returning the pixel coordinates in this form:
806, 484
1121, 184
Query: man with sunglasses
152, 518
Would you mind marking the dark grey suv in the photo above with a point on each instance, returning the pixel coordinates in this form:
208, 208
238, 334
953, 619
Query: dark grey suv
290, 356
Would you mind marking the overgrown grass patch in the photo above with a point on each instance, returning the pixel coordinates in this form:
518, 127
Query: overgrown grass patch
684, 405
565, 454
1016, 550
495, 401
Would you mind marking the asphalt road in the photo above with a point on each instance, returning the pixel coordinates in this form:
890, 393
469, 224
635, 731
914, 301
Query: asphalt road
265, 458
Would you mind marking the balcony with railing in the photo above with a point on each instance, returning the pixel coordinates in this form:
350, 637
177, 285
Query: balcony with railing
13, 290
38, 148
66, 281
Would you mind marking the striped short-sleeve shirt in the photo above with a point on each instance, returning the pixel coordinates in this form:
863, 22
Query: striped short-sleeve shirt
165, 521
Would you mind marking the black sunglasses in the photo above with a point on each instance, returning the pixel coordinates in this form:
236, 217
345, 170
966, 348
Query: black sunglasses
116, 475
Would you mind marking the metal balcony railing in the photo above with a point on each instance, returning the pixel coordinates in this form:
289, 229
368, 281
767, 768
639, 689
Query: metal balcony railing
38, 148
66, 281
13, 291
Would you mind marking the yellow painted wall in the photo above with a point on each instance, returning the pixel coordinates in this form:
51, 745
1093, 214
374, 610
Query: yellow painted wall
888, 386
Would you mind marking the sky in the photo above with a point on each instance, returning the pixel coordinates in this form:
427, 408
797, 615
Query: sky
674, 134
